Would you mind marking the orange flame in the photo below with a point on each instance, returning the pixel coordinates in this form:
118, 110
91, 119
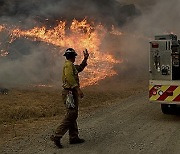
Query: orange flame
79, 35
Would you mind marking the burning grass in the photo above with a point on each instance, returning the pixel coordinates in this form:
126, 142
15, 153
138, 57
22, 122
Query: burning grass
80, 35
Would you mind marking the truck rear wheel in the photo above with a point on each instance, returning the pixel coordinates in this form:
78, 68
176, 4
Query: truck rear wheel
168, 108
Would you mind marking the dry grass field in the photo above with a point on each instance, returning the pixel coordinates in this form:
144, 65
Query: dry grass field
35, 103
22, 106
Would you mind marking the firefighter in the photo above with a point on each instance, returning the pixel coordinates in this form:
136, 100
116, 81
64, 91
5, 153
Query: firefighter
70, 85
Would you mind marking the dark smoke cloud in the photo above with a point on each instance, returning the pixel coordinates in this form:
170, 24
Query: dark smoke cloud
106, 11
142, 4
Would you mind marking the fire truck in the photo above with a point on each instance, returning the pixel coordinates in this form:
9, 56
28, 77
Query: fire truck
164, 71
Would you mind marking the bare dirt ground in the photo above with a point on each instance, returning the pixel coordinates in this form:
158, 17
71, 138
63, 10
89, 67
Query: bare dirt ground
129, 125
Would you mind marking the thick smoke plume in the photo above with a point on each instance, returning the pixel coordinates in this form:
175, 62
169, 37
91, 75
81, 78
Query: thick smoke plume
158, 17
108, 11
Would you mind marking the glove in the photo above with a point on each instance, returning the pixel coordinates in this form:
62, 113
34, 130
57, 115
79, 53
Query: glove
70, 100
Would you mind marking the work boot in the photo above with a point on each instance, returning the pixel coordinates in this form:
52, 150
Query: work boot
76, 141
56, 141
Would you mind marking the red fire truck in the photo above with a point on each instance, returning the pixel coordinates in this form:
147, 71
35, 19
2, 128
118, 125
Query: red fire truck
164, 70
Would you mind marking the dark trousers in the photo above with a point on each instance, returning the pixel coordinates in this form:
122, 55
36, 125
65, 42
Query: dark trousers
69, 121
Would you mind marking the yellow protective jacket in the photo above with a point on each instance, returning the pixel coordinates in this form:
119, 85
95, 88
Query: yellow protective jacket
70, 76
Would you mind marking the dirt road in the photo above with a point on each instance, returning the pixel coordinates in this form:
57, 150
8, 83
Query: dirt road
130, 126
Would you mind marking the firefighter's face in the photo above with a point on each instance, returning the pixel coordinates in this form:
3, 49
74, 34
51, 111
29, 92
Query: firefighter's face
73, 59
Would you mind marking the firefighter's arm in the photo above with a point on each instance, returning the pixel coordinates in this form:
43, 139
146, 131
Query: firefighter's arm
80, 93
83, 64
69, 75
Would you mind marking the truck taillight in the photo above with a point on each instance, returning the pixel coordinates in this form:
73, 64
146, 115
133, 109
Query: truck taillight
155, 45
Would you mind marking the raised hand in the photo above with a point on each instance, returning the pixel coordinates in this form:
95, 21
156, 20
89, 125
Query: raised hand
86, 54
